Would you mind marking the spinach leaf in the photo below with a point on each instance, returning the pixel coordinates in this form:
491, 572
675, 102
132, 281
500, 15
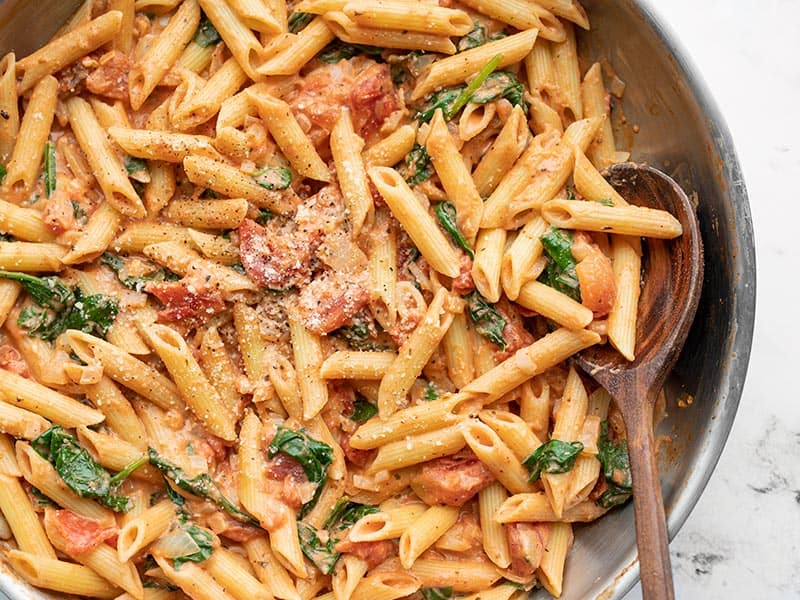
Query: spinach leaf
339, 50
443, 99
476, 37
605, 201
488, 321
318, 552
273, 178
207, 35
135, 165
2, 172
154, 584
49, 168
363, 410
440, 593
501, 84
560, 271
554, 456
616, 469
359, 334
200, 485
314, 456
345, 514
298, 21
117, 264
59, 308
41, 499
204, 540
446, 213
431, 393
417, 166
76, 467
465, 95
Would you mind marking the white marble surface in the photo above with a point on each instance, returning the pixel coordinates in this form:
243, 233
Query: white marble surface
743, 538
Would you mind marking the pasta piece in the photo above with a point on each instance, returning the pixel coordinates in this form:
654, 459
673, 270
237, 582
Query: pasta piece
308, 360
349, 364
535, 508
68, 48
162, 54
125, 369
162, 145
495, 543
21, 423
237, 36
9, 125
346, 29
23, 168
454, 176
637, 221
293, 142
416, 351
346, 148
424, 532
507, 147
522, 15
144, 529
417, 222
420, 448
302, 48
53, 406
551, 569
23, 521
105, 164
487, 264
61, 576
198, 394
459, 68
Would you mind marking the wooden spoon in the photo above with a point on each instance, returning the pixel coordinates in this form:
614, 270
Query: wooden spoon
672, 284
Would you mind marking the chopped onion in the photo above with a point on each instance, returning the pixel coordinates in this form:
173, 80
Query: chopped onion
177, 544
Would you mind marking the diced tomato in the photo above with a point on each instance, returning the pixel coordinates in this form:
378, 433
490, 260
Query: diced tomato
11, 360
514, 332
332, 300
110, 78
373, 553
81, 534
276, 259
451, 480
184, 304
526, 543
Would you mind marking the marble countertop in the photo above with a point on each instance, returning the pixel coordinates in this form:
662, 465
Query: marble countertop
743, 538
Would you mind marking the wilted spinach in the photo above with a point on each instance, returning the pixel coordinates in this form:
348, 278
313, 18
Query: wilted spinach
417, 166
343, 516
501, 84
488, 321
554, 456
446, 213
207, 35
49, 168
59, 308
440, 593
363, 410
79, 471
298, 21
314, 456
444, 99
560, 272
273, 178
339, 50
204, 540
200, 485
616, 469
117, 264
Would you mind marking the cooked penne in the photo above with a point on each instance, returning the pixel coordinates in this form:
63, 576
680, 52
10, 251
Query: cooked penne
238, 37
419, 225
638, 221
161, 55
300, 50
347, 29
346, 148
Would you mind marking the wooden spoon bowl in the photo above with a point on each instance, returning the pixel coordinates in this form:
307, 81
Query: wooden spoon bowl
673, 279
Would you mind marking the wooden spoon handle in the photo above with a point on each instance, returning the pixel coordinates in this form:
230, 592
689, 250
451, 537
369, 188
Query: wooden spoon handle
648, 505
